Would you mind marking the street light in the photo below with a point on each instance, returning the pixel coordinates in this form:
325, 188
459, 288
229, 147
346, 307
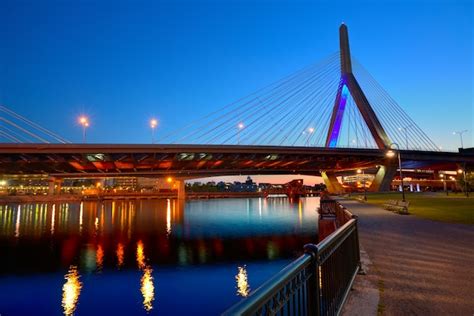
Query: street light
310, 131
240, 127
445, 185
391, 154
463, 172
153, 125
363, 181
460, 136
84, 121
405, 129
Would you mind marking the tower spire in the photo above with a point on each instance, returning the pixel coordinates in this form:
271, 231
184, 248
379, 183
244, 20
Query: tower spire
346, 64
349, 85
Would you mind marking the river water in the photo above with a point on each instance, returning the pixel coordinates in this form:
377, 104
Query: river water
162, 257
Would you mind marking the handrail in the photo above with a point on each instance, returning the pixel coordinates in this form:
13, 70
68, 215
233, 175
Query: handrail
327, 242
317, 283
266, 290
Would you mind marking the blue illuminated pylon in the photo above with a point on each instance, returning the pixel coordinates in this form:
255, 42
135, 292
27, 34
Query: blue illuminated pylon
340, 113
349, 85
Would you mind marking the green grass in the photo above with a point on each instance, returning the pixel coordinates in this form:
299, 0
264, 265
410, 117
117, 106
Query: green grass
455, 208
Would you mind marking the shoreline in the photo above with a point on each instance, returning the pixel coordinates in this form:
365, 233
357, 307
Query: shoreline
140, 196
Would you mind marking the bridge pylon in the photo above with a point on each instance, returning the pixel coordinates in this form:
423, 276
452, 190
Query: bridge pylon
348, 85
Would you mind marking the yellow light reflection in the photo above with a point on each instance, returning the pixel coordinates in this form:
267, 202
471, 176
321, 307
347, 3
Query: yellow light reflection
52, 219
300, 212
140, 255
120, 254
81, 214
17, 223
168, 217
243, 286
99, 257
71, 291
147, 288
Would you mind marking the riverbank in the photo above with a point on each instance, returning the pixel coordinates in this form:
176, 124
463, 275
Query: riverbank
124, 196
40, 198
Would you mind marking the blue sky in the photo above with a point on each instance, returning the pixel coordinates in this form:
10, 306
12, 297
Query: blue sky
122, 63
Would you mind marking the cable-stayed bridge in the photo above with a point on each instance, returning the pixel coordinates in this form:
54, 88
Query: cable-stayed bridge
326, 119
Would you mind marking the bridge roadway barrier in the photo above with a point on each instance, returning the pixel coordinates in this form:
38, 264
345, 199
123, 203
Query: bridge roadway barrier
319, 281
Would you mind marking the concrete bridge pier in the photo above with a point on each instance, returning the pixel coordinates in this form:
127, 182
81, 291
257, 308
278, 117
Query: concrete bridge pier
54, 185
330, 180
181, 188
383, 178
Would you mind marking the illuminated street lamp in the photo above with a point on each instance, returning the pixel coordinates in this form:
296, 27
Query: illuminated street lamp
359, 171
391, 154
153, 125
240, 127
460, 136
463, 172
84, 121
445, 185
405, 129
310, 131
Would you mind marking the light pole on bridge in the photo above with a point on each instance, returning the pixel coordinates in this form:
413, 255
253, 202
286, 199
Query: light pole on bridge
460, 136
405, 130
84, 121
240, 127
153, 125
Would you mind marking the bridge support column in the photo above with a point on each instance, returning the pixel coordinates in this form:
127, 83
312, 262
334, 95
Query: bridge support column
54, 185
180, 184
383, 178
333, 186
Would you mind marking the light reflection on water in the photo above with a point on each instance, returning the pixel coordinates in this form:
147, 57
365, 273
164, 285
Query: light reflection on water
120, 255
147, 288
243, 286
71, 291
115, 240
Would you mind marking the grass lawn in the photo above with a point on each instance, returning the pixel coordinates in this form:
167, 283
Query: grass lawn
455, 208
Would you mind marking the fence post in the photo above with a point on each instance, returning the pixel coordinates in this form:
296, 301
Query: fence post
361, 270
313, 289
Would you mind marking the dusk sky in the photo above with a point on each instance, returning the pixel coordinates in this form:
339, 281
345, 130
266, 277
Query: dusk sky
122, 63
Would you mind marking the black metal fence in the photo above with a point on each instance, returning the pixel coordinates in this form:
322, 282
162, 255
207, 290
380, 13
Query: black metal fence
318, 282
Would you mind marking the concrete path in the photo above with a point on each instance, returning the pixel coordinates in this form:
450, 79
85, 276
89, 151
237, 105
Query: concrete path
418, 266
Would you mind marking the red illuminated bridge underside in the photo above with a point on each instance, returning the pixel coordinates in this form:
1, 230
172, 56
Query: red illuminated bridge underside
75, 160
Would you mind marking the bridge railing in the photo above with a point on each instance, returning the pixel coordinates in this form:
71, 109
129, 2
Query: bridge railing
317, 283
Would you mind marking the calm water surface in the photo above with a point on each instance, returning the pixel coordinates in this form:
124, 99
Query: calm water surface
160, 257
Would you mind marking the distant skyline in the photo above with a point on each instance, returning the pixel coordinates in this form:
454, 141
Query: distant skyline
123, 63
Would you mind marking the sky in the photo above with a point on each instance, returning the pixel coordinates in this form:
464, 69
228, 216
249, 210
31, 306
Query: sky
122, 63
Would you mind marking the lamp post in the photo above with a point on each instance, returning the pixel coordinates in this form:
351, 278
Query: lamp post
405, 129
445, 185
240, 127
363, 181
85, 124
460, 136
153, 125
310, 132
391, 154
463, 172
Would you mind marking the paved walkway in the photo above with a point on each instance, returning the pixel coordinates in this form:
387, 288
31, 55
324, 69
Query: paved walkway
420, 267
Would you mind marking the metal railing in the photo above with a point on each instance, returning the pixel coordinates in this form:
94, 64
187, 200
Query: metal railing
317, 283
